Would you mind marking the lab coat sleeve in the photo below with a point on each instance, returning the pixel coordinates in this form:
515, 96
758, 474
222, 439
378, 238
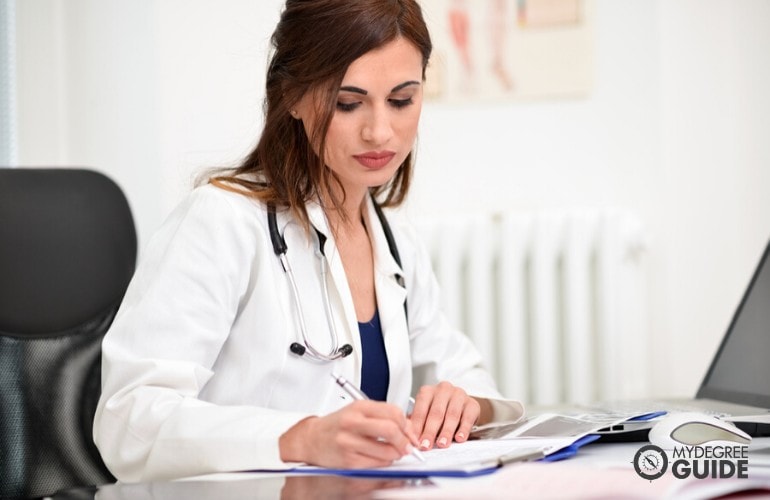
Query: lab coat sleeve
440, 351
159, 351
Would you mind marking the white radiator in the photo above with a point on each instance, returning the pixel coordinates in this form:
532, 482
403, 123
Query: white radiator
555, 301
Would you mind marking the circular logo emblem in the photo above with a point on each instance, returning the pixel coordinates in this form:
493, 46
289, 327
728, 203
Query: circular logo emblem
650, 462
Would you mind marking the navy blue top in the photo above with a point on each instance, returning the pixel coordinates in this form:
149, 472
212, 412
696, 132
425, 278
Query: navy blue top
375, 373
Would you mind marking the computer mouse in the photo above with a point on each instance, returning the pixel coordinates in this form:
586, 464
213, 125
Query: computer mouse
695, 429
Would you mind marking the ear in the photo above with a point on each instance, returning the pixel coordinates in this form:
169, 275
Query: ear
304, 108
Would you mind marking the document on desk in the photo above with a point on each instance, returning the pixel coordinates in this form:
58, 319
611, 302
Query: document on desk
471, 458
546, 437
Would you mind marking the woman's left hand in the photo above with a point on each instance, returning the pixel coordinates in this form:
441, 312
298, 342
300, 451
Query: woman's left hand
443, 413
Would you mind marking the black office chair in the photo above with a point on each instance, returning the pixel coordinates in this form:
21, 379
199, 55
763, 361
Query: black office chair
67, 252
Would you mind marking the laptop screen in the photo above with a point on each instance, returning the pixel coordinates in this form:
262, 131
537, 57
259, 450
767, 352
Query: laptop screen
740, 371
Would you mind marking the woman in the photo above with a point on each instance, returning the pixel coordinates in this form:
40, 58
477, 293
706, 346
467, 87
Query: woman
217, 361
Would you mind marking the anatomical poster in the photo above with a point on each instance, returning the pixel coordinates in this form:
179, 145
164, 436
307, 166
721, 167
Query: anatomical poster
492, 50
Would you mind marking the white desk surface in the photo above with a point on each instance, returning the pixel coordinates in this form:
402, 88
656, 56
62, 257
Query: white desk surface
599, 470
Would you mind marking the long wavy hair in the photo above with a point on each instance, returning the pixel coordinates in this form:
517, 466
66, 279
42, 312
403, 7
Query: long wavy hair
313, 45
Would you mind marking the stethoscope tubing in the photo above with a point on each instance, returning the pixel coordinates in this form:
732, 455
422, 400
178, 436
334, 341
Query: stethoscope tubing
280, 248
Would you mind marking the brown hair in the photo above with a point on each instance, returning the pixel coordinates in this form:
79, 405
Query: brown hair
312, 46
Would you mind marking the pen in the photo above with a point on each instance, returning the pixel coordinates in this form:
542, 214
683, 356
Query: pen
525, 455
356, 394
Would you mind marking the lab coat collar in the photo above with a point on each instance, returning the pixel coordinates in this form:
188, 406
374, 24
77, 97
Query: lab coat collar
315, 214
383, 259
317, 217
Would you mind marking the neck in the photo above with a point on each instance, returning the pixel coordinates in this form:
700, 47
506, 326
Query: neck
349, 217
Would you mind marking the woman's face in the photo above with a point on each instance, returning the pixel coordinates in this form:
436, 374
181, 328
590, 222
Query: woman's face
375, 124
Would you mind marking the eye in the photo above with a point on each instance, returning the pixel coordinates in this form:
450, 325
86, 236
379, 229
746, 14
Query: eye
401, 103
347, 106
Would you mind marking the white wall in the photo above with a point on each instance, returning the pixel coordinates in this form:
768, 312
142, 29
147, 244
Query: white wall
152, 92
716, 157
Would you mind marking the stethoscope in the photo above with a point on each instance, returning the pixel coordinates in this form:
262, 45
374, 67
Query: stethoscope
280, 248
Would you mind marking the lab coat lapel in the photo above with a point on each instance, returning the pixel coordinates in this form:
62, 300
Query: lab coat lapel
390, 302
341, 297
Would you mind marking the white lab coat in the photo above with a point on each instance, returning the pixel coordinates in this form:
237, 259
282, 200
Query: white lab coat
197, 375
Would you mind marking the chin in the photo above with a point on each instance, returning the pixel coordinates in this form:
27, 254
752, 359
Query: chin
381, 177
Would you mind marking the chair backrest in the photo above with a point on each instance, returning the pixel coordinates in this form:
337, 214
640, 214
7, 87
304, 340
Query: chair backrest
67, 252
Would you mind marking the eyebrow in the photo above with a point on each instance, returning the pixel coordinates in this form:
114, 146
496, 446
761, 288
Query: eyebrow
358, 90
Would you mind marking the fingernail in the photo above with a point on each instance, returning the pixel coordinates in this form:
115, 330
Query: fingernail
460, 436
425, 444
441, 442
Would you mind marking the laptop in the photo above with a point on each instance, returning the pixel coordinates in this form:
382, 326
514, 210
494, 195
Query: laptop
737, 384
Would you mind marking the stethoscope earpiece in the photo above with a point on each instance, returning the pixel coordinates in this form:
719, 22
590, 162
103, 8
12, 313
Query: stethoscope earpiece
342, 352
297, 348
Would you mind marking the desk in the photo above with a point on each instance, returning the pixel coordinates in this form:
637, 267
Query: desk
606, 462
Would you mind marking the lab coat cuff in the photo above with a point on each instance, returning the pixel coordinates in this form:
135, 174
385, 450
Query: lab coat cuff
506, 410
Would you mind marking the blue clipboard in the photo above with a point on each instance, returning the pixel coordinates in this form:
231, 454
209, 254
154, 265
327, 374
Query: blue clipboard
571, 450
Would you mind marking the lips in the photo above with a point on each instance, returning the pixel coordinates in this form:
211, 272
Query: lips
374, 159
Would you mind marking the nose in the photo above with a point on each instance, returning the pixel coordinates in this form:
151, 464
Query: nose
377, 128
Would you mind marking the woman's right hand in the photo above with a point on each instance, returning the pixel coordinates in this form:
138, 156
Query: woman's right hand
361, 435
